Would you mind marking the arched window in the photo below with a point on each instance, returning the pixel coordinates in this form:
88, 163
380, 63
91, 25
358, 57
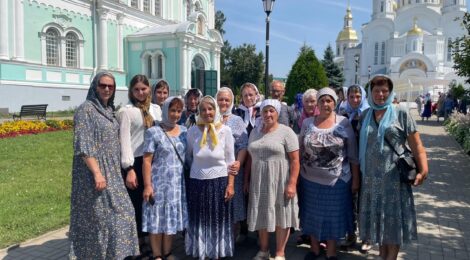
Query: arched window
376, 53
415, 45
134, 3
149, 67
200, 26
71, 50
146, 6
159, 68
158, 8
449, 49
382, 57
52, 47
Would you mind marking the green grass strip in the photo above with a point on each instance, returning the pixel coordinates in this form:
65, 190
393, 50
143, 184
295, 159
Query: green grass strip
35, 180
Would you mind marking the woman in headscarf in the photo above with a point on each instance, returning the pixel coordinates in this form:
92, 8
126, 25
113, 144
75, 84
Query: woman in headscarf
191, 103
427, 112
134, 118
309, 103
102, 223
272, 204
225, 99
248, 110
160, 92
329, 174
165, 210
387, 212
211, 184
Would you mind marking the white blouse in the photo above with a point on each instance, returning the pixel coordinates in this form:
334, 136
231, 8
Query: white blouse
210, 162
132, 130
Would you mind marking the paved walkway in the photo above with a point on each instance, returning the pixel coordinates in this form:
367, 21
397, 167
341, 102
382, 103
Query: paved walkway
442, 204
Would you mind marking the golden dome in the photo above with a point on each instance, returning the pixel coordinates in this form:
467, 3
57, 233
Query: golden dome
347, 34
415, 31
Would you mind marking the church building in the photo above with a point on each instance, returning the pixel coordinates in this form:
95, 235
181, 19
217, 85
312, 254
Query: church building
51, 49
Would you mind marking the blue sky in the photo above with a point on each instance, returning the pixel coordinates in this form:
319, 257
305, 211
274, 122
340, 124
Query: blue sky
293, 22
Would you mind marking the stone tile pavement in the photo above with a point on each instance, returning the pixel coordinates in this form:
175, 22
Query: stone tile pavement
442, 204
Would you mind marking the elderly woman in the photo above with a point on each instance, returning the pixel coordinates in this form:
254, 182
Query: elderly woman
272, 204
248, 110
211, 184
191, 103
387, 213
328, 151
102, 223
309, 103
160, 91
225, 100
165, 212
134, 119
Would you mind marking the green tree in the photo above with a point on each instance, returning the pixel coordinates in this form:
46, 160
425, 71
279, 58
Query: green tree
333, 71
461, 50
245, 65
307, 72
225, 78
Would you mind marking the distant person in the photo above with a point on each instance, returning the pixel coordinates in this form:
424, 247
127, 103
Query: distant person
102, 223
278, 89
448, 106
427, 112
440, 112
160, 91
297, 109
134, 118
463, 105
191, 102
248, 109
387, 210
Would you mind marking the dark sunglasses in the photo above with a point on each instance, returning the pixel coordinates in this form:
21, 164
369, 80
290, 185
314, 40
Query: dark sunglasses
104, 86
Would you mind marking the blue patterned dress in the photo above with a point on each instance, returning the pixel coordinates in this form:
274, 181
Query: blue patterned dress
387, 214
240, 136
169, 213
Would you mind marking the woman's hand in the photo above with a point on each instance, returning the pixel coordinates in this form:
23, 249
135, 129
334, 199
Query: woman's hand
148, 193
100, 182
131, 180
420, 177
229, 192
290, 190
356, 184
234, 168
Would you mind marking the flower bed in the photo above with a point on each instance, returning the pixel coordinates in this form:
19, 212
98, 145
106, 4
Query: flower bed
458, 125
15, 128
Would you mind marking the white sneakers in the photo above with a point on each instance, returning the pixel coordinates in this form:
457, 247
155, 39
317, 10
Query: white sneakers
262, 256
280, 258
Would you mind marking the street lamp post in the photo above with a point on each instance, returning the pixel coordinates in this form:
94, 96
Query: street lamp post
356, 60
268, 7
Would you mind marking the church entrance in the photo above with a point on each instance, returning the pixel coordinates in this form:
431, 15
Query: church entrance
204, 80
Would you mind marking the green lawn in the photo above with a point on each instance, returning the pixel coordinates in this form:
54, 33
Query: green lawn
35, 180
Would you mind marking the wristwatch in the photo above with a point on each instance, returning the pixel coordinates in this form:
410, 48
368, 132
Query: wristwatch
129, 168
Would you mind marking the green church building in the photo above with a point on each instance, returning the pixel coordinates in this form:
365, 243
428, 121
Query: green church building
51, 49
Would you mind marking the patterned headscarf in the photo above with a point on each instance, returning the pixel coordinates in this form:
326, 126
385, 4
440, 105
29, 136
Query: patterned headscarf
209, 126
94, 97
166, 122
230, 108
387, 119
352, 112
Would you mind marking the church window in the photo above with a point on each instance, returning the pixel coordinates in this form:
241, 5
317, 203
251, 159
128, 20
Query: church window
376, 53
146, 5
158, 8
382, 6
455, 2
449, 49
409, 1
71, 50
382, 56
159, 68
337, 52
52, 47
188, 8
422, 47
134, 3
149, 67
200, 26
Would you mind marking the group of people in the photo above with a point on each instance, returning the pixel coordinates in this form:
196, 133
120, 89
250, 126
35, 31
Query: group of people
199, 165
446, 104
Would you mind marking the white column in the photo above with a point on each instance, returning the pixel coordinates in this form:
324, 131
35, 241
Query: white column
184, 74
120, 50
153, 72
4, 39
19, 27
103, 39
43, 49
217, 66
81, 54
140, 5
62, 51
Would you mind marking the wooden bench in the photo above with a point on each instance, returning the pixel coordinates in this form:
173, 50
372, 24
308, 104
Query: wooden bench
32, 110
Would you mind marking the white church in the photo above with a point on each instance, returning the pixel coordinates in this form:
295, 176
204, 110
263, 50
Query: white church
407, 40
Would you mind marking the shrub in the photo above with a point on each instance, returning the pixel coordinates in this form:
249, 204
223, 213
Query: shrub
458, 126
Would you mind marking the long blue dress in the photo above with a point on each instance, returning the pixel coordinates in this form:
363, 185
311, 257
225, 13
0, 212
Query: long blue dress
169, 214
387, 212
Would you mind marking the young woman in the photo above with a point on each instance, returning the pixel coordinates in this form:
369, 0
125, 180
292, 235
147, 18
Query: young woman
211, 184
134, 118
165, 210
248, 110
160, 91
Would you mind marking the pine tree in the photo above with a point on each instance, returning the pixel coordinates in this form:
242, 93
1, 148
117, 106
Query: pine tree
333, 71
307, 72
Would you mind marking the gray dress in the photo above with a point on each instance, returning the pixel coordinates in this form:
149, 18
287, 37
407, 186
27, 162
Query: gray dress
268, 206
102, 224
387, 212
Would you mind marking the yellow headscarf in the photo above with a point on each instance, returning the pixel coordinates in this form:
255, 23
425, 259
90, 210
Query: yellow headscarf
212, 126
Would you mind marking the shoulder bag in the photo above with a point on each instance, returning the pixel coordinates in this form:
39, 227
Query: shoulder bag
406, 164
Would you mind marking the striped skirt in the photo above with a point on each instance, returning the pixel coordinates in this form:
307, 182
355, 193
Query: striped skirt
210, 219
325, 211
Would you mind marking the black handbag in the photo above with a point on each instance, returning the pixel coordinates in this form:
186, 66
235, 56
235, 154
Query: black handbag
406, 164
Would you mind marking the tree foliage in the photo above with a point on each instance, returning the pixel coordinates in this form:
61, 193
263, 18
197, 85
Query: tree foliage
307, 72
333, 71
461, 50
245, 65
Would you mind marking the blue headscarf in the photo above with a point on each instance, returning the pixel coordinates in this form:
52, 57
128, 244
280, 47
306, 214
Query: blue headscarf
298, 101
353, 112
387, 119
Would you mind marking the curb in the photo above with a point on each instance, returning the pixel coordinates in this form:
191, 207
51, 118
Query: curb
50, 233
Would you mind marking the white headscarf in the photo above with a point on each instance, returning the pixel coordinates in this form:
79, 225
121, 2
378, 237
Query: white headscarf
268, 102
230, 107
